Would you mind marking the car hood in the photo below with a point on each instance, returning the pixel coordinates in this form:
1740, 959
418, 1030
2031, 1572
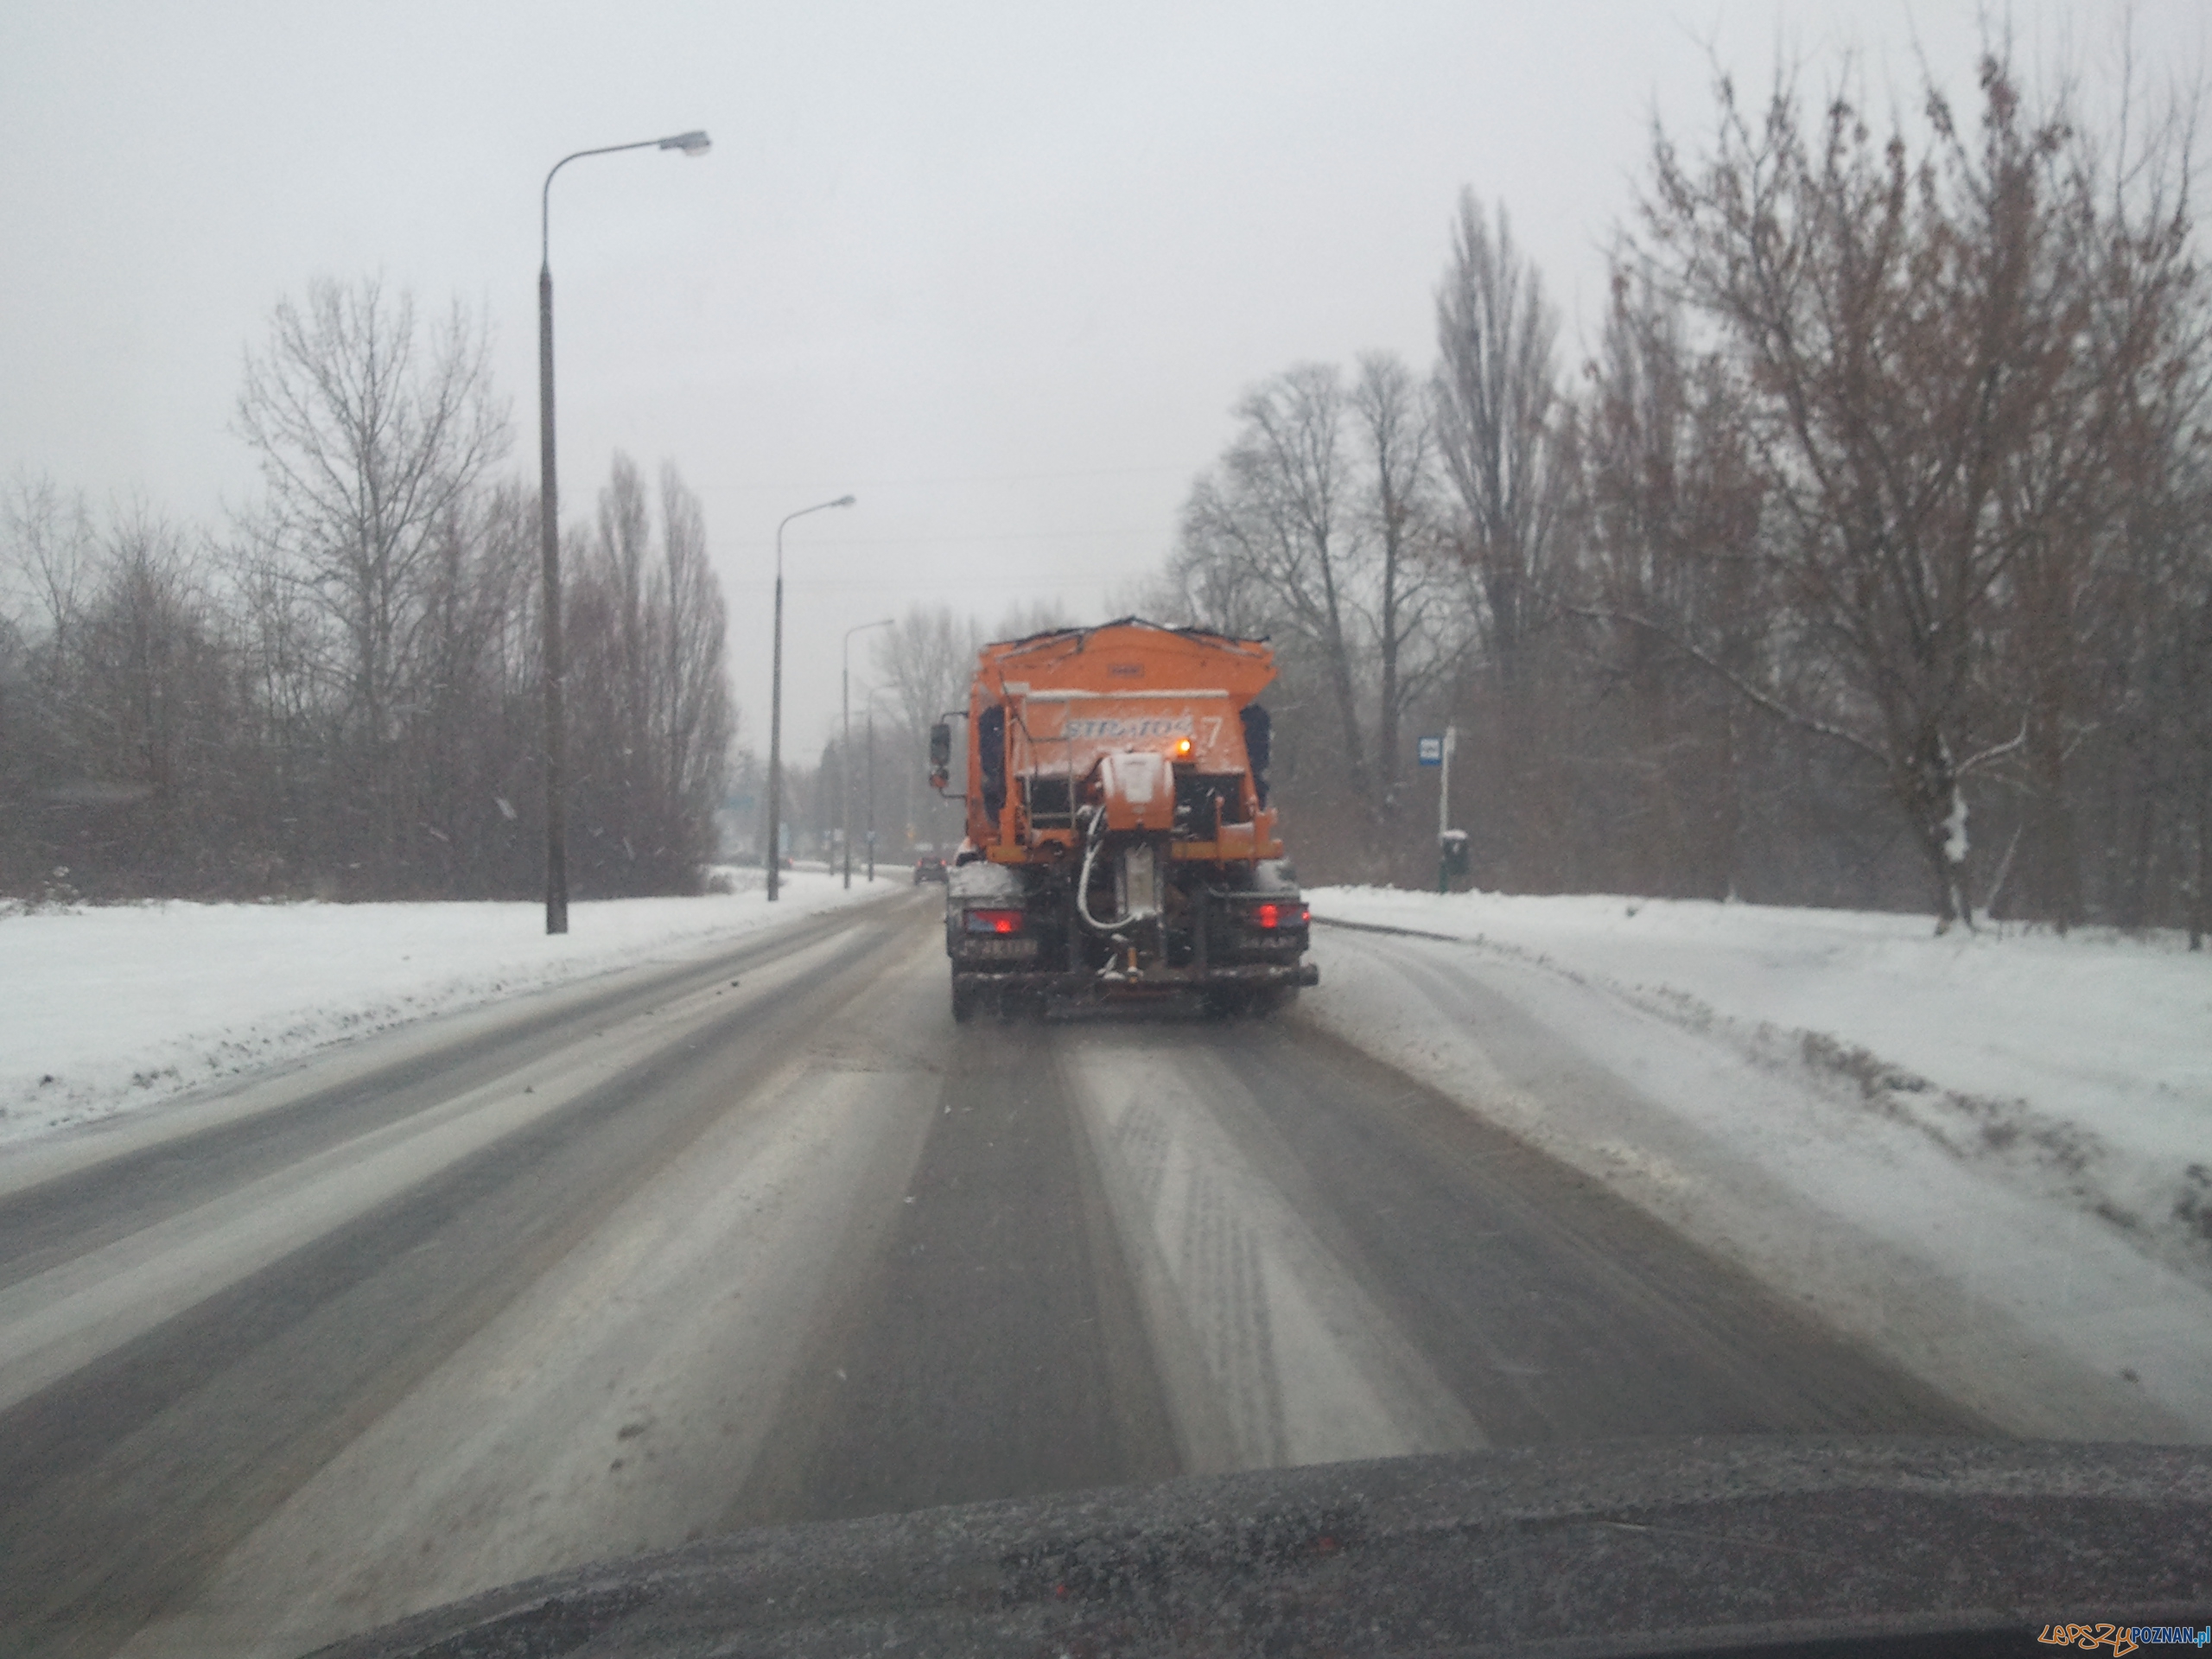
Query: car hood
1630, 1547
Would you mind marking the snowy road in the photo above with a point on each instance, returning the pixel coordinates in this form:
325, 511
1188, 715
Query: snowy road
767, 1237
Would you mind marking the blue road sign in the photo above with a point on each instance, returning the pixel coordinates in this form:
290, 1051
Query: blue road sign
1430, 750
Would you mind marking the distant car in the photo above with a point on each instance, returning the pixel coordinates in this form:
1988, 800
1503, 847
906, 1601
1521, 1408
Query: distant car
928, 869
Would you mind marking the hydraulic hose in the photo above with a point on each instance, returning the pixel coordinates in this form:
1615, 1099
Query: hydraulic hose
1091, 818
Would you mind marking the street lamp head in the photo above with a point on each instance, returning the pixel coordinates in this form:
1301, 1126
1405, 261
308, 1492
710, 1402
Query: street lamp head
691, 143
843, 501
862, 628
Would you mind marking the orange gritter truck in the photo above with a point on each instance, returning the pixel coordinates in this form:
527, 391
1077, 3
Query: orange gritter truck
1120, 845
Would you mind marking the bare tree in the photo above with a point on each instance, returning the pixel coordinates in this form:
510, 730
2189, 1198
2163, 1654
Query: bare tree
1667, 527
50, 552
1496, 384
1391, 411
48, 557
2102, 497
468, 737
1496, 405
278, 632
1901, 326
151, 711
925, 661
634, 589
342, 701
650, 710
118, 715
1280, 511
370, 435
700, 721
1198, 588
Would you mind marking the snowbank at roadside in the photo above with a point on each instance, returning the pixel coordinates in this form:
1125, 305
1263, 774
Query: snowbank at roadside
1965, 1147
105, 1008
2110, 1032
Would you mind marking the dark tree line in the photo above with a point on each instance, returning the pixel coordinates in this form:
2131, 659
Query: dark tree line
339, 695
1867, 560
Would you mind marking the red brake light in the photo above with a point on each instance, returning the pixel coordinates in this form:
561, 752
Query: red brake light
1267, 915
995, 921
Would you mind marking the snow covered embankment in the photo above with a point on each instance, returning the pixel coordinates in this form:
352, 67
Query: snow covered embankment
104, 1009
2015, 1112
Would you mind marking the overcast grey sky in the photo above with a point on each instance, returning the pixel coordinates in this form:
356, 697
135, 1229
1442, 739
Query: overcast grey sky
1000, 269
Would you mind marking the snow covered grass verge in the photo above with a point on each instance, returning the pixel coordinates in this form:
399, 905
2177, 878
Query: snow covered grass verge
104, 1009
2079, 1068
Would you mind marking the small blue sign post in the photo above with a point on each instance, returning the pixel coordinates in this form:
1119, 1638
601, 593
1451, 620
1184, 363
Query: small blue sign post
1450, 844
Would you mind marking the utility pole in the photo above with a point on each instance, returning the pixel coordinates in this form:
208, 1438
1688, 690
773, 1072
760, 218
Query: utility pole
775, 853
845, 743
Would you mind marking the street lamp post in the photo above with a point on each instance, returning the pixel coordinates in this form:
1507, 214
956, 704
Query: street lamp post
845, 746
776, 708
872, 698
549, 532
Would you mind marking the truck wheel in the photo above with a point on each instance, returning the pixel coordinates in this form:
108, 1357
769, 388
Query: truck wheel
1272, 1000
966, 998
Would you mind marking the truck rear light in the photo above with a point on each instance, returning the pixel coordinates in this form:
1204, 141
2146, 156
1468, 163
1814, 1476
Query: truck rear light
1268, 915
995, 921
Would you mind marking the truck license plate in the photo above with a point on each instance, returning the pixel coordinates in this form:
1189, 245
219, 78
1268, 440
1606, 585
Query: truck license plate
1004, 949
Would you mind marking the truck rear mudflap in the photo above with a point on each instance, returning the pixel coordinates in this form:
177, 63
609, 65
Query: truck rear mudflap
1245, 985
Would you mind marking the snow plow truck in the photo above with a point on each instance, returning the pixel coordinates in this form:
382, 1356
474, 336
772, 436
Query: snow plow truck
1120, 844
